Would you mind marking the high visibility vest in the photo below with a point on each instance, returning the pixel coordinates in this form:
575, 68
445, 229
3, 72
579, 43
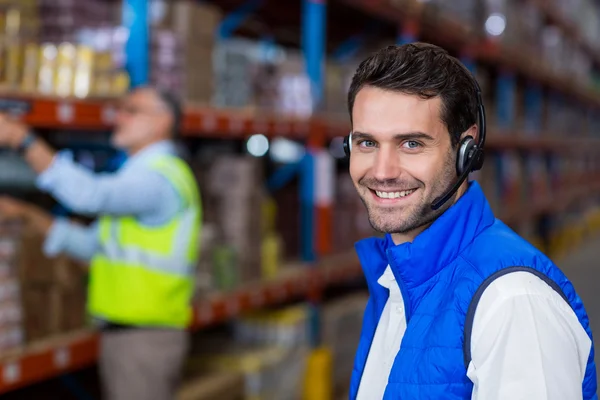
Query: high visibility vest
143, 275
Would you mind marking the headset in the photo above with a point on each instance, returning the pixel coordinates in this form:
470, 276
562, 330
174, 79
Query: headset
470, 155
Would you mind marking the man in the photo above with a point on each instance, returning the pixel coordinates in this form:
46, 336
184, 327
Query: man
460, 306
142, 250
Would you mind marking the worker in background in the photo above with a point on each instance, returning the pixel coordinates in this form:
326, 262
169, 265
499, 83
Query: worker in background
460, 306
142, 249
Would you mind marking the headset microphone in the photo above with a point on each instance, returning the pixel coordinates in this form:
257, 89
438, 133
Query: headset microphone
438, 202
470, 156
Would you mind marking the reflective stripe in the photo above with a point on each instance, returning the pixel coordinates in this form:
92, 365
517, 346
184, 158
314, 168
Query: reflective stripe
175, 263
139, 258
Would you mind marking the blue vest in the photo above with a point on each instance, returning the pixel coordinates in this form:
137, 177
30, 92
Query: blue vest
441, 275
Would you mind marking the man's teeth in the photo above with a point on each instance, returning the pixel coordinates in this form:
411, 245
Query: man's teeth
393, 195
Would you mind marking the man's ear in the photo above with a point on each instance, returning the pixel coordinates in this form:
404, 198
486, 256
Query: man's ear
472, 131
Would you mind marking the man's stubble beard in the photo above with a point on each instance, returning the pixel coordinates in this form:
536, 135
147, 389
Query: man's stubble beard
417, 216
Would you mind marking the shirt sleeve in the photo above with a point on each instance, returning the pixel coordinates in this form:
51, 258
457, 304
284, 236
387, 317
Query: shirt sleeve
77, 241
139, 191
527, 343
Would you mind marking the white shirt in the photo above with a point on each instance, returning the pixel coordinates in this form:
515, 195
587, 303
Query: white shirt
527, 343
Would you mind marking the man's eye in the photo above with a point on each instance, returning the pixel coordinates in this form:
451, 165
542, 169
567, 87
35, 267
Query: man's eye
366, 143
411, 144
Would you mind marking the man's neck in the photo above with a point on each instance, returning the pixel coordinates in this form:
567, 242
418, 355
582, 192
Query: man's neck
132, 151
406, 237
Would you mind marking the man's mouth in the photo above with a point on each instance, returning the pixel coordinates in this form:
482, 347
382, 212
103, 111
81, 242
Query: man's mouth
393, 195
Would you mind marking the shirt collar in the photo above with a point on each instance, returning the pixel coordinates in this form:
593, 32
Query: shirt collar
387, 279
165, 147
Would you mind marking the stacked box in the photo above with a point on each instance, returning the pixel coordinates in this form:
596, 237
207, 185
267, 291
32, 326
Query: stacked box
61, 19
235, 191
62, 47
183, 46
294, 96
38, 297
214, 385
588, 21
19, 21
269, 349
528, 25
511, 181
167, 60
12, 334
336, 88
54, 290
350, 216
197, 23
233, 74
341, 322
463, 11
488, 178
537, 184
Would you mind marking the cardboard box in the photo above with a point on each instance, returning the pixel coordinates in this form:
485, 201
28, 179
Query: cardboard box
215, 385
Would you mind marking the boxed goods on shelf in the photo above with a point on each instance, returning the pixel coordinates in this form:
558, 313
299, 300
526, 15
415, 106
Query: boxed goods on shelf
236, 190
53, 290
488, 178
463, 11
216, 385
183, 39
527, 25
232, 65
268, 348
70, 69
350, 217
64, 48
45, 297
338, 78
238, 242
255, 75
588, 21
293, 96
12, 334
537, 179
341, 322
511, 180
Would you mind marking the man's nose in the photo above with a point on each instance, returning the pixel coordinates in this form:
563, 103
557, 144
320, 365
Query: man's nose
386, 164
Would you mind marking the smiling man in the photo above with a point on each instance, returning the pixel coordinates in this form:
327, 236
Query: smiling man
460, 306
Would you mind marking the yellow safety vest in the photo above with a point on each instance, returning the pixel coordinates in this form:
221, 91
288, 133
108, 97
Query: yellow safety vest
143, 275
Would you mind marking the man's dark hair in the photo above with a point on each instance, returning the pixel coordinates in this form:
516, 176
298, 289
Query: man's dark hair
427, 71
174, 106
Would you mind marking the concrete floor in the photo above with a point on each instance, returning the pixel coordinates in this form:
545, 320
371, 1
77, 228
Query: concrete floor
582, 267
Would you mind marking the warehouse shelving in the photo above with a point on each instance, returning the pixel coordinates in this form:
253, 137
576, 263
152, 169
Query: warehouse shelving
43, 360
58, 355
456, 35
207, 122
568, 27
73, 351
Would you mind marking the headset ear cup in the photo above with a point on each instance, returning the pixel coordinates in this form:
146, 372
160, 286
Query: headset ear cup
346, 149
478, 164
465, 153
348, 145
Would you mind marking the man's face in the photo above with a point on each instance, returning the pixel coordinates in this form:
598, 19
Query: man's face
141, 119
402, 159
